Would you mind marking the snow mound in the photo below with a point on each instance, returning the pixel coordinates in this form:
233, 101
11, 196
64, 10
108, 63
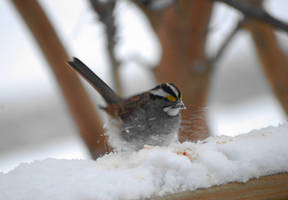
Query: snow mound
152, 171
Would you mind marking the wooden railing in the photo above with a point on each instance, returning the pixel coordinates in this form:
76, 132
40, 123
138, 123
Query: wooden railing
264, 188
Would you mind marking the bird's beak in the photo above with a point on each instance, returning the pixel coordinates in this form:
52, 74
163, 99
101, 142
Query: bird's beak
180, 105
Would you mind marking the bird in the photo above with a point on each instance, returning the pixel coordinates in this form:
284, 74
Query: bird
150, 118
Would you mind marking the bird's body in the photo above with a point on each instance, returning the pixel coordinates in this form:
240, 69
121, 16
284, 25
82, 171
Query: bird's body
149, 118
143, 126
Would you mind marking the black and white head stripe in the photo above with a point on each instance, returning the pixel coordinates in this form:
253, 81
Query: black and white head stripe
175, 91
165, 90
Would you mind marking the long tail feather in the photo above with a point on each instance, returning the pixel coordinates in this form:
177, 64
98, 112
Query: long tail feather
105, 91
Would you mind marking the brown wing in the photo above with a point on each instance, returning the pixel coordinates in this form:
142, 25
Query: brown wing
124, 109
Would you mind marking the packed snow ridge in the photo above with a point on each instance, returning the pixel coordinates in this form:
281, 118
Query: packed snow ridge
152, 171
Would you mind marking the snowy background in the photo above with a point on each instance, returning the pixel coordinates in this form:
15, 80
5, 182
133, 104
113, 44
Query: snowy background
34, 122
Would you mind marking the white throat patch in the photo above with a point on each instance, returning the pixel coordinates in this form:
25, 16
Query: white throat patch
172, 111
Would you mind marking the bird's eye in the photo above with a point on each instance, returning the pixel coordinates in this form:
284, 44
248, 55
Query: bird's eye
171, 98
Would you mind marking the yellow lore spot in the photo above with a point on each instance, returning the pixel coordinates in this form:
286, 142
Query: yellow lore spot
171, 98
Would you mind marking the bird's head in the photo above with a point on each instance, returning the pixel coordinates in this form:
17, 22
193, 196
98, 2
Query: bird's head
171, 97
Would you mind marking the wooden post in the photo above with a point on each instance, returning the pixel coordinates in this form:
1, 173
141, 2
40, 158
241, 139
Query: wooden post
79, 104
182, 29
274, 61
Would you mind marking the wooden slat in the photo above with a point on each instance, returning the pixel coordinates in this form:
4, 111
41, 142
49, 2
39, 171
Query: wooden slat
80, 105
274, 187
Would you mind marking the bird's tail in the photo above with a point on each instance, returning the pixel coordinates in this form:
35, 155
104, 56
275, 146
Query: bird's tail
105, 91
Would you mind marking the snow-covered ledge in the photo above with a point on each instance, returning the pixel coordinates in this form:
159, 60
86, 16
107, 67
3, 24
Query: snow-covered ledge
153, 171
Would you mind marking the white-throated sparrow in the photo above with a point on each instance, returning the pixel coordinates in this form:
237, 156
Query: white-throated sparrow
149, 118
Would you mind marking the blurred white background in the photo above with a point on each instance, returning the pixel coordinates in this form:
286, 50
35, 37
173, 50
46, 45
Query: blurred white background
34, 121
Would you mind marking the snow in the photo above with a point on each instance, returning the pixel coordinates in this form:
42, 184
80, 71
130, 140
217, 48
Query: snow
153, 170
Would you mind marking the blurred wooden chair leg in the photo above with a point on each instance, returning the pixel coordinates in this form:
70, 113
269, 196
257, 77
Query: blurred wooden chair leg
77, 99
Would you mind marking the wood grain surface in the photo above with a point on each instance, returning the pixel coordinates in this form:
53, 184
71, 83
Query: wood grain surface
264, 188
